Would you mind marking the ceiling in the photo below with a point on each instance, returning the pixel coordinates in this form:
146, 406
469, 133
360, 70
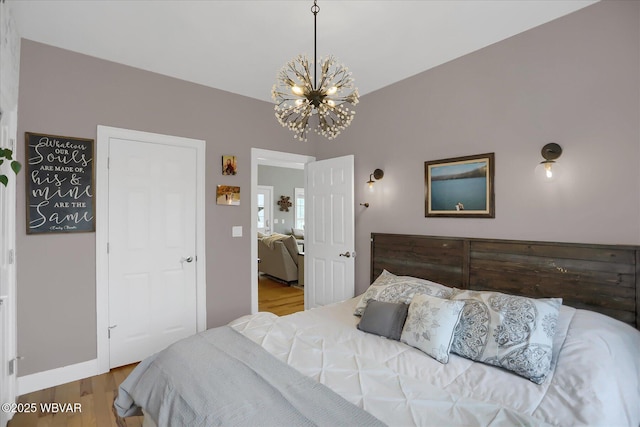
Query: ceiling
239, 46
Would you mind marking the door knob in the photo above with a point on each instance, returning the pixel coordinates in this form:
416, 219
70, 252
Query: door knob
188, 259
346, 254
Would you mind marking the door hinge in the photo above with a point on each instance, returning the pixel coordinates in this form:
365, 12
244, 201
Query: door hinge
108, 162
107, 247
12, 256
12, 364
109, 331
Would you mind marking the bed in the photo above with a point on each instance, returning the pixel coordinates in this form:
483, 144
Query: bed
359, 378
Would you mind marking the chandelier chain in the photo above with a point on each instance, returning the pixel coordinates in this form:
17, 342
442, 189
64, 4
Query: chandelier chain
315, 9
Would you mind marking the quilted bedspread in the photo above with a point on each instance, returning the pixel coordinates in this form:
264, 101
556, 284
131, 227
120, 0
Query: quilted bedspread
595, 377
221, 378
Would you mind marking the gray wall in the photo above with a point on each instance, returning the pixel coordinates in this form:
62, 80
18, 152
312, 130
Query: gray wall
574, 81
284, 182
65, 93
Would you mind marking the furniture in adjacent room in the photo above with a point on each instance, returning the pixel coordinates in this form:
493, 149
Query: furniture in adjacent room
298, 233
278, 254
301, 269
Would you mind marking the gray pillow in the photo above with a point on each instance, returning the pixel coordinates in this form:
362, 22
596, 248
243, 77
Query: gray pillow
384, 318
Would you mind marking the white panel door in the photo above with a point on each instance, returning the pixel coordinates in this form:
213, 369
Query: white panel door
329, 235
152, 247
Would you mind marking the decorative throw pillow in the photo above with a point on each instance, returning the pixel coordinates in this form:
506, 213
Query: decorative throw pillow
391, 288
430, 324
384, 318
513, 332
298, 233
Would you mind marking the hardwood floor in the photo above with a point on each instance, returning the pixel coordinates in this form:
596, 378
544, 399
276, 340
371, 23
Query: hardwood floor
95, 398
95, 394
279, 298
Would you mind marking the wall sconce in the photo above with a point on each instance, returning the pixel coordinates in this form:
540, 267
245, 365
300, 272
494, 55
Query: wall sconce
548, 170
375, 176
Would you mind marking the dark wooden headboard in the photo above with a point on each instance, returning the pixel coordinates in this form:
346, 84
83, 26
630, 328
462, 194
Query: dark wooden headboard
602, 278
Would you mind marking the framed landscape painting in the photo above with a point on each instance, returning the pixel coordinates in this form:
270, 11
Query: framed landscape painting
460, 187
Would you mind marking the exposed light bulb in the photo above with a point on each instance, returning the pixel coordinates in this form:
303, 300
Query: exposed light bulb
299, 102
331, 102
332, 90
297, 90
548, 171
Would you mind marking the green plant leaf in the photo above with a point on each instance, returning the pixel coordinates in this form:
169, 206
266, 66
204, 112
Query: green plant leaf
16, 166
8, 153
4, 180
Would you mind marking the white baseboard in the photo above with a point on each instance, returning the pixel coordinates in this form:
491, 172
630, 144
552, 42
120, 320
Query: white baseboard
54, 377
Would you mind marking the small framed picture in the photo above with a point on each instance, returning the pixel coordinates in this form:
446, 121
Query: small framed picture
227, 195
229, 165
460, 187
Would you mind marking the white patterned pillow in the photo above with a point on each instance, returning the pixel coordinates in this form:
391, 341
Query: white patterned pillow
391, 288
512, 332
430, 324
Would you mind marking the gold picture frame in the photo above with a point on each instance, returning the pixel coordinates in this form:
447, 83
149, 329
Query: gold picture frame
228, 195
460, 187
229, 165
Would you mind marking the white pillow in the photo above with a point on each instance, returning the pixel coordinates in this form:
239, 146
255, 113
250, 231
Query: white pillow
430, 324
391, 288
513, 332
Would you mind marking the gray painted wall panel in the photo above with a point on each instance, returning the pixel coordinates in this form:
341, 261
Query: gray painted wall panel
65, 93
574, 81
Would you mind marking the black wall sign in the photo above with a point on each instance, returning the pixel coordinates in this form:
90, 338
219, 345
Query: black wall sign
59, 175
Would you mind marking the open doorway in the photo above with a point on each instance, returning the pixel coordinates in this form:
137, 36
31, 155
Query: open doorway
270, 162
280, 238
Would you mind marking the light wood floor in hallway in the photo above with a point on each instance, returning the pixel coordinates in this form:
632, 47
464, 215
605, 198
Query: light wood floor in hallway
96, 394
279, 298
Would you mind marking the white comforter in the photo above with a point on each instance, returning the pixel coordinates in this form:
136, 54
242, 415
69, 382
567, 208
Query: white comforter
595, 378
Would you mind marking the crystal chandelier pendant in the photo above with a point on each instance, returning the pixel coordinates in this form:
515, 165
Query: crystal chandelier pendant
299, 95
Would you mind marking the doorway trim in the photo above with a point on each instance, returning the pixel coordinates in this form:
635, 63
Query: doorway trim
105, 133
260, 156
8, 281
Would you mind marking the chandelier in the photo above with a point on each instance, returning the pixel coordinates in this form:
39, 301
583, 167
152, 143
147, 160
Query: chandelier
298, 96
